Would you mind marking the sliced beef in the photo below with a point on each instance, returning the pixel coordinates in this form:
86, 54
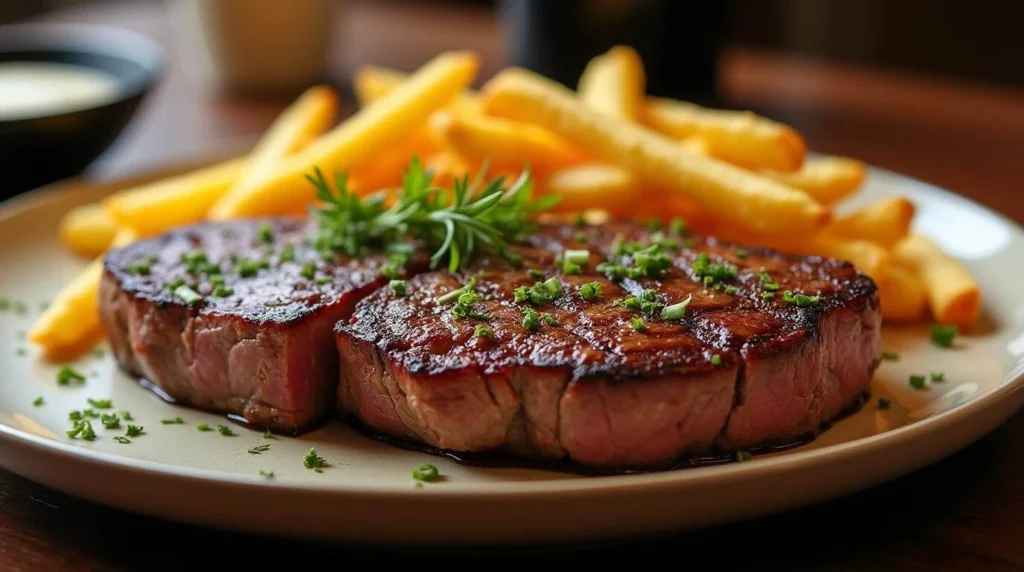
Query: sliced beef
741, 369
260, 347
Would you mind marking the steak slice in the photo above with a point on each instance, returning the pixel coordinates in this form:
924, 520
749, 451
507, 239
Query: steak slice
741, 369
261, 348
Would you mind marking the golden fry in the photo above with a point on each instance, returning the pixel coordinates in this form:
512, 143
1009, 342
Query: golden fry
594, 185
953, 294
361, 137
902, 294
828, 179
885, 222
374, 82
739, 137
87, 230
614, 84
176, 201
310, 116
754, 202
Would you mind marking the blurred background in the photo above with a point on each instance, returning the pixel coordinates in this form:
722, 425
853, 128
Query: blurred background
927, 87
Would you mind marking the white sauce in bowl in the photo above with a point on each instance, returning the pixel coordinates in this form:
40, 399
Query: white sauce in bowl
37, 89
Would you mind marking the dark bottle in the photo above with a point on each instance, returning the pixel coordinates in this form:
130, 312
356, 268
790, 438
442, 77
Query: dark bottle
679, 40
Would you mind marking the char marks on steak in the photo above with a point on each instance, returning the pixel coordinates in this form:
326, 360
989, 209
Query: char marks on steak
593, 388
265, 351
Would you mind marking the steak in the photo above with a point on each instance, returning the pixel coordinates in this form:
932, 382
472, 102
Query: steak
748, 365
259, 343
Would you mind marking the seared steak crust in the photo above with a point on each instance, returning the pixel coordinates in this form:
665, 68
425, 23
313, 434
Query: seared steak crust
739, 370
262, 349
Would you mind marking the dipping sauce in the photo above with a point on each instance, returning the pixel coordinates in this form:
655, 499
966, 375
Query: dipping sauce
37, 89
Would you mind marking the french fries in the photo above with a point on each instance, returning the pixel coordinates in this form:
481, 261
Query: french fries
902, 294
374, 82
739, 137
828, 179
614, 84
754, 202
359, 138
584, 186
953, 295
309, 117
885, 222
177, 201
87, 230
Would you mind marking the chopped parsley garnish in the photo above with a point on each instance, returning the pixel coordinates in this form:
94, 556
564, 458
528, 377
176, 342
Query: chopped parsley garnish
716, 360
110, 421
324, 280
767, 281
942, 335
938, 377
268, 475
268, 435
187, 294
454, 295
917, 381
82, 429
222, 291
204, 427
743, 456
38, 402
482, 331
313, 461
677, 227
531, 319
884, 403
464, 307
266, 233
175, 284
612, 271
100, 403
590, 291
225, 431
196, 263
890, 356
133, 430
308, 270
247, 267
425, 473
536, 274
258, 449
540, 292
740, 253
647, 302
710, 272
127, 416
768, 295
799, 300
651, 262
731, 290
287, 253
140, 268
122, 440
66, 376
581, 237
676, 311
175, 421
398, 287
639, 324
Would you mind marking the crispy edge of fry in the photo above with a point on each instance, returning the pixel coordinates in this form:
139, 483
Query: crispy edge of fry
739, 137
586, 186
176, 201
308, 117
752, 201
614, 83
827, 179
504, 143
87, 229
886, 221
902, 295
372, 129
374, 82
954, 296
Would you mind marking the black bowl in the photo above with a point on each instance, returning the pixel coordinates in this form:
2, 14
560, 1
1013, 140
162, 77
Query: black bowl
40, 149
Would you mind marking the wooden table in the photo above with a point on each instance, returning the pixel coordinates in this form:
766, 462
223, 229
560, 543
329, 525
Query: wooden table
965, 513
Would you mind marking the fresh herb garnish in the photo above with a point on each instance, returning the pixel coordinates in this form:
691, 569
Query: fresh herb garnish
651, 262
799, 300
110, 421
308, 270
287, 253
140, 268
122, 440
938, 377
425, 473
767, 281
204, 427
483, 331
313, 461
258, 449
100, 403
590, 291
676, 311
646, 303
464, 307
175, 421
38, 402
133, 430
536, 274
716, 360
740, 253
890, 356
187, 294
710, 272
531, 319
268, 435
540, 292
247, 267
225, 431
943, 335
677, 227
581, 237
883, 403
222, 291
398, 287
268, 475
82, 429
917, 381
612, 271
266, 233
66, 376
768, 295
454, 295
639, 324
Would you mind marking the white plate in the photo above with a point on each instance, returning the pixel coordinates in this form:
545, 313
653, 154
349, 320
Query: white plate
367, 494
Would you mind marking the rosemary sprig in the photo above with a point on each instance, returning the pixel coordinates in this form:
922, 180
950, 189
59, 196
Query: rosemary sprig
455, 222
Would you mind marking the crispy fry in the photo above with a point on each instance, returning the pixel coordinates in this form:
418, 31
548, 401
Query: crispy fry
885, 222
754, 202
179, 200
306, 119
614, 84
504, 143
953, 294
359, 138
374, 82
72, 322
827, 179
739, 137
87, 230
592, 185
902, 294
385, 170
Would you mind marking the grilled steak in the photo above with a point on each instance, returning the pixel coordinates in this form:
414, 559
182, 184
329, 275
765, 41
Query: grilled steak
748, 364
258, 344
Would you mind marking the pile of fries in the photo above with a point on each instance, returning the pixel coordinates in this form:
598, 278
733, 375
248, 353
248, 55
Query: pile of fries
608, 149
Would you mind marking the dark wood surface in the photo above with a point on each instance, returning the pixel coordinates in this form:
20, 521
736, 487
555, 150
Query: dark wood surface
964, 513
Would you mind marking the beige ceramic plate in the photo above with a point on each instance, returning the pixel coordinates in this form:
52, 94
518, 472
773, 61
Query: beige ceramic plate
367, 494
